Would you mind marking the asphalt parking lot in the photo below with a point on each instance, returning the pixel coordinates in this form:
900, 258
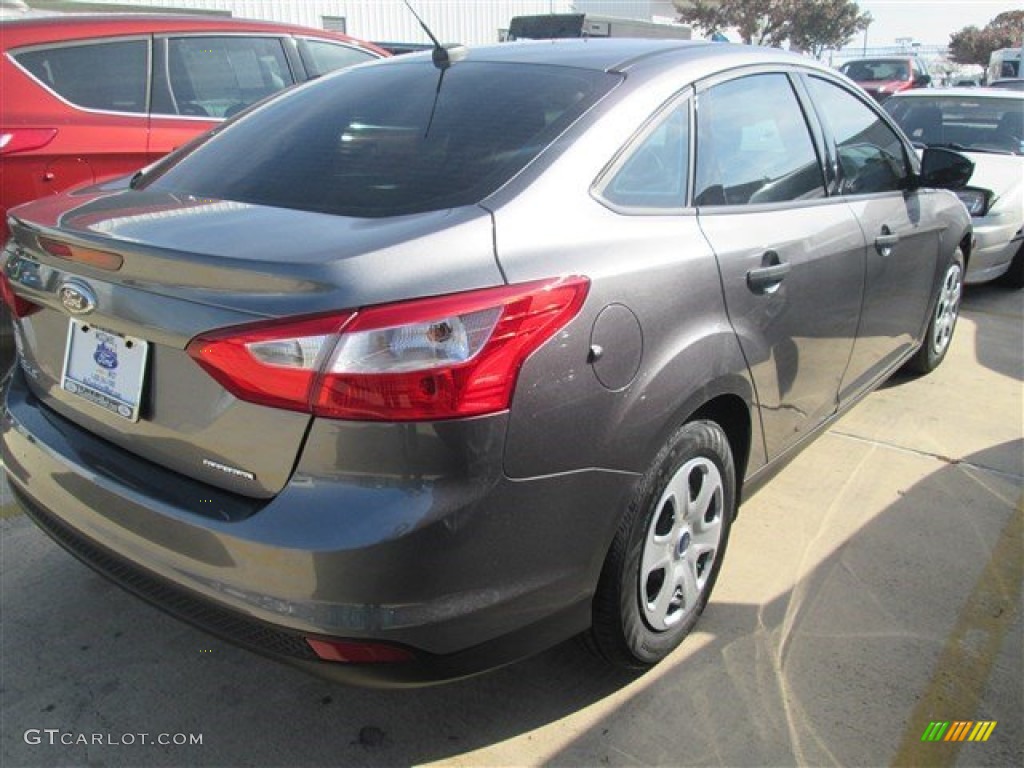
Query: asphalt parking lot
873, 588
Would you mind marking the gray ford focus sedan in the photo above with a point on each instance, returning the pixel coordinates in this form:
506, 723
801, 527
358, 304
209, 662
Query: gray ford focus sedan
427, 365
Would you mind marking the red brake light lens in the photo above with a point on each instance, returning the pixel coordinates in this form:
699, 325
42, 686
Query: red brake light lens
438, 358
358, 652
273, 363
24, 139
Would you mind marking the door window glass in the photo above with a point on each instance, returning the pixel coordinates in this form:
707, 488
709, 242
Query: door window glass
871, 157
753, 145
110, 76
321, 57
655, 170
220, 76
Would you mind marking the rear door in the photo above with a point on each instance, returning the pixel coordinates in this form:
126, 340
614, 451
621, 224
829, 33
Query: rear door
791, 259
93, 95
200, 80
900, 229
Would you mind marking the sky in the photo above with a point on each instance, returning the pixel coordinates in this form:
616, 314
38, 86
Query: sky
929, 22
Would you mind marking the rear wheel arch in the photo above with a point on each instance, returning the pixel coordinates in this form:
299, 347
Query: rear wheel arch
732, 414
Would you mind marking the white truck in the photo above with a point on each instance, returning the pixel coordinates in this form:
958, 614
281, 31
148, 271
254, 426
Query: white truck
558, 25
1004, 63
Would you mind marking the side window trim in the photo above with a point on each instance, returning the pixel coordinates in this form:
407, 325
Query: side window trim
627, 150
300, 73
824, 142
148, 39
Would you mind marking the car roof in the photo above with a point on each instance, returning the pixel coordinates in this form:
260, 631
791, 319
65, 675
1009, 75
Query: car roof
627, 54
19, 31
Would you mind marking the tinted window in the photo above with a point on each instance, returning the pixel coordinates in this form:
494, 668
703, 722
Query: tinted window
219, 76
109, 76
970, 123
655, 170
321, 57
373, 142
877, 70
753, 145
871, 155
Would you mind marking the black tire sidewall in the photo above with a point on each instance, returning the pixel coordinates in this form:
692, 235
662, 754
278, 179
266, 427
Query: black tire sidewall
639, 645
927, 359
936, 358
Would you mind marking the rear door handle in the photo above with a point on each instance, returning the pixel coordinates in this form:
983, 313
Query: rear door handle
884, 242
766, 279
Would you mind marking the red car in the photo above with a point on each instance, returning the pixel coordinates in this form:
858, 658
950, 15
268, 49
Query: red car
883, 77
87, 97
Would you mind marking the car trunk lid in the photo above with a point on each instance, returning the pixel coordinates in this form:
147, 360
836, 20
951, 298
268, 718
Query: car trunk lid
160, 271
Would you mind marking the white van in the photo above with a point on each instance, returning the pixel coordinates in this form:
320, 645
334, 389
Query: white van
1004, 62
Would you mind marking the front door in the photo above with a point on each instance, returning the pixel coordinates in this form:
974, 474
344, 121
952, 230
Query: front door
901, 234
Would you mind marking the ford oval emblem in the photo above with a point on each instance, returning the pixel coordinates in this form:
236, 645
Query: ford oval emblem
77, 298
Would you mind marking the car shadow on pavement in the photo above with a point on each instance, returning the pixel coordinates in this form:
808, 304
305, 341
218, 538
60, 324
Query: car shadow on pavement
826, 672
999, 343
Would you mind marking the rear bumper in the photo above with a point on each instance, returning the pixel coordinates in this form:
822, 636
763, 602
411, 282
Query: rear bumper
459, 564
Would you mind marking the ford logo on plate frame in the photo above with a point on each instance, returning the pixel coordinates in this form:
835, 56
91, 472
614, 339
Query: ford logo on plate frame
77, 297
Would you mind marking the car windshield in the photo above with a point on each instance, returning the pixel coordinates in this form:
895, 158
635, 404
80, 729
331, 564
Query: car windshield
976, 124
876, 70
387, 140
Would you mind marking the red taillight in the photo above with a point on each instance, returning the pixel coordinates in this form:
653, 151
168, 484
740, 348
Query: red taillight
353, 652
19, 307
437, 358
23, 139
272, 363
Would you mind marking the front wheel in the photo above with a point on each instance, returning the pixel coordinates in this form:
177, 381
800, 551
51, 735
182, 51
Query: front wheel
940, 329
668, 550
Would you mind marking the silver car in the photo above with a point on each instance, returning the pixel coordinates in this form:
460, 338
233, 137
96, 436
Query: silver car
428, 365
987, 127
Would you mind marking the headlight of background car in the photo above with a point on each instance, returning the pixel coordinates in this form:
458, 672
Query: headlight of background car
977, 201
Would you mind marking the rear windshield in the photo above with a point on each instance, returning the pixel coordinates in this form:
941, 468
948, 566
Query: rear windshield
388, 139
876, 70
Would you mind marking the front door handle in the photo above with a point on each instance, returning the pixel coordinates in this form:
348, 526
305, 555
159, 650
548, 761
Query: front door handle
884, 242
766, 279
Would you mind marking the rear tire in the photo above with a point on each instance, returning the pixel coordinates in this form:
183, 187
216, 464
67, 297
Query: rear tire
667, 553
939, 335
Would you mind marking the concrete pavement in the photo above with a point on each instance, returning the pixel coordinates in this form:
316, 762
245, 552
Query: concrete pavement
872, 588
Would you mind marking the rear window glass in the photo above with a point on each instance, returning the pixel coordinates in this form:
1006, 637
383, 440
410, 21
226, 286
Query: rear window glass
390, 139
109, 76
877, 70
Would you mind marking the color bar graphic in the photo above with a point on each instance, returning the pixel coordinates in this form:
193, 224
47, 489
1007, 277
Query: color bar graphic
958, 730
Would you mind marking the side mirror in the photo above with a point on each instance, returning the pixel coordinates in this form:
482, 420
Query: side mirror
944, 169
923, 80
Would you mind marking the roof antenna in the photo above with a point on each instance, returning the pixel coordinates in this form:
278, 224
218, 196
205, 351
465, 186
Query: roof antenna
443, 55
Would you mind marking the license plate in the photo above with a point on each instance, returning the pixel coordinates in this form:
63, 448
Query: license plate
105, 368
